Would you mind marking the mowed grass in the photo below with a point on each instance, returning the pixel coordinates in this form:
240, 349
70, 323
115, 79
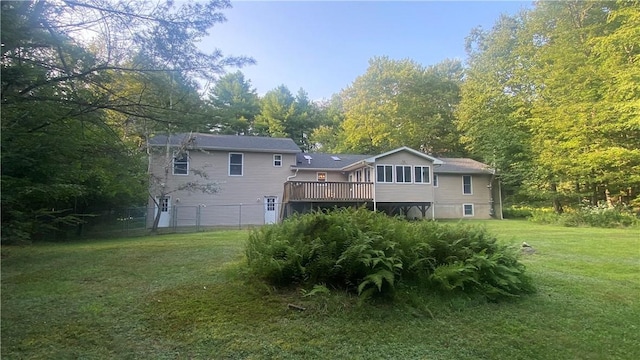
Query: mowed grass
186, 297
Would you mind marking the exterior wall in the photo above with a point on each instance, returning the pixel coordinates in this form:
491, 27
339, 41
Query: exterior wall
311, 175
403, 192
449, 197
240, 199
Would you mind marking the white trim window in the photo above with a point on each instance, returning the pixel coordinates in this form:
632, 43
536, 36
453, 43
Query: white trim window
435, 180
422, 174
367, 175
180, 164
467, 210
384, 173
277, 160
467, 188
403, 174
236, 162
321, 176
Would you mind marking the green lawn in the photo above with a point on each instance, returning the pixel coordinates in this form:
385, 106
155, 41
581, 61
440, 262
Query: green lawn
184, 296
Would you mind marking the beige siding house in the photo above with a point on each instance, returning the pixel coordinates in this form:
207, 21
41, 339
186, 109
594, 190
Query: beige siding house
248, 173
262, 180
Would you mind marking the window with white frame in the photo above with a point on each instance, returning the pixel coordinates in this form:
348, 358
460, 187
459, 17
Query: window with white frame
435, 180
367, 175
422, 174
403, 174
181, 164
277, 160
321, 176
467, 209
466, 185
164, 204
359, 176
384, 173
235, 164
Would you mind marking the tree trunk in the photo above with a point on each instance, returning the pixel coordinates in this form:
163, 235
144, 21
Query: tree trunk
607, 195
156, 219
557, 205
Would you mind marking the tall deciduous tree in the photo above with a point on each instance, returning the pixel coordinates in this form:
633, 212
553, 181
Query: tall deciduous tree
398, 103
585, 114
63, 66
552, 91
493, 111
328, 137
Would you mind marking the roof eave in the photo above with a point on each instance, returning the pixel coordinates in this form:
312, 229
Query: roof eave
295, 167
219, 148
354, 166
469, 171
434, 160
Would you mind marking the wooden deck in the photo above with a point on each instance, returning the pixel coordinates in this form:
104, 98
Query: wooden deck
329, 191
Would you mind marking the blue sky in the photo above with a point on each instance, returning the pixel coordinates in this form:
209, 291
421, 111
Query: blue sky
323, 46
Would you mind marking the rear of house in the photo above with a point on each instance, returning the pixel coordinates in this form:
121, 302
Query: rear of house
399, 182
260, 180
248, 172
465, 188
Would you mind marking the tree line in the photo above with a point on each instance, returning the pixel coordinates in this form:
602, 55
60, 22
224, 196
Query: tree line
550, 97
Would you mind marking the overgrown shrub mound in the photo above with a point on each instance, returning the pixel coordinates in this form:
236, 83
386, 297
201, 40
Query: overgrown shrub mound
370, 253
595, 216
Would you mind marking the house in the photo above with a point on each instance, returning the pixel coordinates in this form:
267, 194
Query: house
262, 180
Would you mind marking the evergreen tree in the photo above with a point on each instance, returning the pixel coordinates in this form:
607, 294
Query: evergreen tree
235, 105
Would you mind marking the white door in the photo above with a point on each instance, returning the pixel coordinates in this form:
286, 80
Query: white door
270, 209
165, 211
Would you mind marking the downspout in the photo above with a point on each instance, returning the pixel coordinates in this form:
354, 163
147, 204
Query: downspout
500, 199
292, 176
372, 178
284, 195
433, 192
492, 201
433, 202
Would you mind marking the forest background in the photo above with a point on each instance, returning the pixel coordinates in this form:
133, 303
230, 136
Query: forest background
549, 97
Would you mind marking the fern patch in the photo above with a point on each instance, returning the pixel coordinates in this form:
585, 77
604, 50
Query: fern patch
370, 253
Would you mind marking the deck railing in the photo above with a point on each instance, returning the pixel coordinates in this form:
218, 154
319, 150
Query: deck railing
327, 191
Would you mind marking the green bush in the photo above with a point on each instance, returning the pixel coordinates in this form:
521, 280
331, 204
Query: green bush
544, 216
602, 216
517, 212
371, 253
587, 215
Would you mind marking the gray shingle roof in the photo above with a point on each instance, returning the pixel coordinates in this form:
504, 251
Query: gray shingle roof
318, 160
326, 161
462, 166
230, 142
435, 160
